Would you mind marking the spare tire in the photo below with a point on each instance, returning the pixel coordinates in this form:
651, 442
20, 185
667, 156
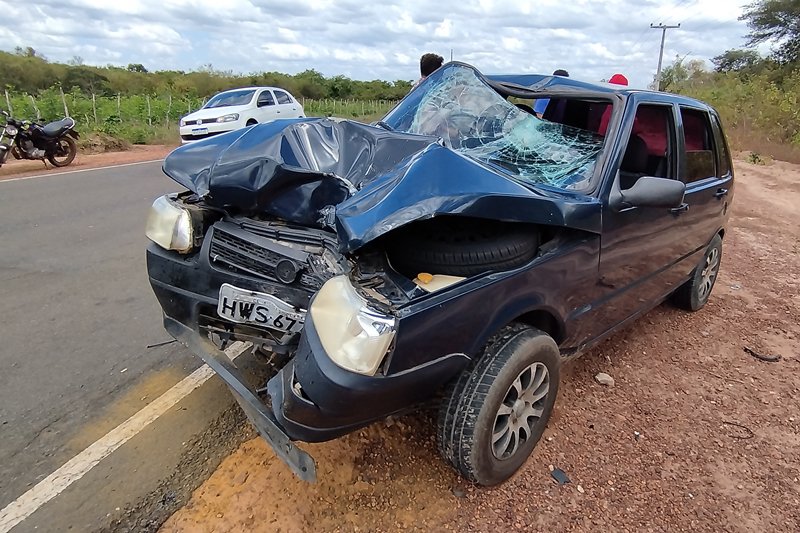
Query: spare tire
462, 247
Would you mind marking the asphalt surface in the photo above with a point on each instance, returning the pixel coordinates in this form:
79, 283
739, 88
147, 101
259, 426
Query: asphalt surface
78, 316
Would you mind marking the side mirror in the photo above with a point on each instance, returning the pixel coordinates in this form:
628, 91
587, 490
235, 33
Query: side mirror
649, 191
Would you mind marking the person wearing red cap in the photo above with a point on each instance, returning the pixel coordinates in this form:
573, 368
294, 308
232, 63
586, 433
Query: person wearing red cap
616, 79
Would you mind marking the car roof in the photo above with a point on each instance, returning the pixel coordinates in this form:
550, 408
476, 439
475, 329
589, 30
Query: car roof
253, 88
547, 82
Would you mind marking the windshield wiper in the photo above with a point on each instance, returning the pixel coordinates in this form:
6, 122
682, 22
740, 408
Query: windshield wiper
384, 125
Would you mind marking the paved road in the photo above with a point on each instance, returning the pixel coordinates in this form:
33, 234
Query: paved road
77, 317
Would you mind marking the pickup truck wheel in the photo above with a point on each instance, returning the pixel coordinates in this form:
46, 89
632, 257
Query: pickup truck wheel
693, 294
463, 247
495, 412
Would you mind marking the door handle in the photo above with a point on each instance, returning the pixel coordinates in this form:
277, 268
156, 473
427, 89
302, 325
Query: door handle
681, 208
721, 193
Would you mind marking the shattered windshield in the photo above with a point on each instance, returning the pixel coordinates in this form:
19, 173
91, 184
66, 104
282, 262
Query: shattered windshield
472, 118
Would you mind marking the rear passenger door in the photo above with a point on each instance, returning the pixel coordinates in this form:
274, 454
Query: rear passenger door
287, 107
705, 168
266, 106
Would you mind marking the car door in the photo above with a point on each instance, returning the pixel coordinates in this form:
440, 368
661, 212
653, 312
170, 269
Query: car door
642, 249
287, 107
266, 108
705, 168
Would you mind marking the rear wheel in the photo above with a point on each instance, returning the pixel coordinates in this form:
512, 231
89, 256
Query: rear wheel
493, 415
694, 294
64, 153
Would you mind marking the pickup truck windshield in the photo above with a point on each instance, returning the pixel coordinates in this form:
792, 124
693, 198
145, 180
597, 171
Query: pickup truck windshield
471, 117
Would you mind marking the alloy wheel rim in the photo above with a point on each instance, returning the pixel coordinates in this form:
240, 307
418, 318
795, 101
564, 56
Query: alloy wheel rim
709, 273
520, 411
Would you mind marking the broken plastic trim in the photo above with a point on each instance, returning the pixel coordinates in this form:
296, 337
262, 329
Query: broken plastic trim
301, 463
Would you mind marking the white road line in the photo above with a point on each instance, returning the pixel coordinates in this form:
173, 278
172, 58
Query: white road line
79, 170
78, 466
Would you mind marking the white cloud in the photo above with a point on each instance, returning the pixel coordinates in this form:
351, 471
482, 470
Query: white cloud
377, 40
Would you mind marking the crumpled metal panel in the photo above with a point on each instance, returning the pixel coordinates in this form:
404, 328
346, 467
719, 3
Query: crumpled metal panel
477, 156
292, 169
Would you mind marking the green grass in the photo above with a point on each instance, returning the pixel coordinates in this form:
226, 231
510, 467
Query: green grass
142, 119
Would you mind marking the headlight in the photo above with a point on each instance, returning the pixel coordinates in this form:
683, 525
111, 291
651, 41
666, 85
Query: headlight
354, 336
11, 130
183, 123
229, 118
170, 226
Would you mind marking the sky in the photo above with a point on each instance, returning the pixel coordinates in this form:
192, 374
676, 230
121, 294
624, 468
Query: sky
376, 39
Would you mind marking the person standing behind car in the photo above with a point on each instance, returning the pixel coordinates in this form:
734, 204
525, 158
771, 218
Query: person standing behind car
541, 104
428, 63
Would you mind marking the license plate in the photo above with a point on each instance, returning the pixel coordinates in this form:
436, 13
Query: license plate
199, 131
249, 307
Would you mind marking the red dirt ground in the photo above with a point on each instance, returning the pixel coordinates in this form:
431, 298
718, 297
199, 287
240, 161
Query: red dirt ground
21, 168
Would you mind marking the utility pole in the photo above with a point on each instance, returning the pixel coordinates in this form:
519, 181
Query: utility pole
663, 29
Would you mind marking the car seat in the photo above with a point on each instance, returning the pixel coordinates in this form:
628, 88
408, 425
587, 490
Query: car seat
634, 162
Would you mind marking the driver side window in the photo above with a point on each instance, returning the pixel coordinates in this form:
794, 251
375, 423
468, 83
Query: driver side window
650, 148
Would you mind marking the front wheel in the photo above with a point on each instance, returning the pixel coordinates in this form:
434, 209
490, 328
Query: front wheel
64, 153
495, 412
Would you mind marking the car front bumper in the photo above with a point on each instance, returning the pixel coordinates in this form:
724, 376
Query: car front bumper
311, 399
191, 134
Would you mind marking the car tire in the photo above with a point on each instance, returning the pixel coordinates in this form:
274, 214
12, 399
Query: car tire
251, 122
694, 294
483, 417
465, 247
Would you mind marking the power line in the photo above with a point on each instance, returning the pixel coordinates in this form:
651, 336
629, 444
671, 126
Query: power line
663, 29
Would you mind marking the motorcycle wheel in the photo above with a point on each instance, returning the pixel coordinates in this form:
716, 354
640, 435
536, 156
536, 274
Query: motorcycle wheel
65, 152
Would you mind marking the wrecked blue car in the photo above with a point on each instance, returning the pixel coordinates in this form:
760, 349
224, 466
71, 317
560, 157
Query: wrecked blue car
457, 251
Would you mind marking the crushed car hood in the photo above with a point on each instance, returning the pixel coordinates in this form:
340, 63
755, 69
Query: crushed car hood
365, 181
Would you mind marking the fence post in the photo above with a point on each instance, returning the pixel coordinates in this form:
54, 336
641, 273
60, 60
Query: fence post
169, 108
149, 113
33, 101
8, 103
94, 108
119, 112
64, 101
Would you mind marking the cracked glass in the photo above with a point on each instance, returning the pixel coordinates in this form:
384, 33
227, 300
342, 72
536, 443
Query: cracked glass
472, 118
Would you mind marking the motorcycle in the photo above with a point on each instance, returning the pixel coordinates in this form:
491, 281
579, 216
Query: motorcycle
25, 139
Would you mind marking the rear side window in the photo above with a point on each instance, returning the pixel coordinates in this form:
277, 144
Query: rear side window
723, 156
701, 160
265, 99
282, 97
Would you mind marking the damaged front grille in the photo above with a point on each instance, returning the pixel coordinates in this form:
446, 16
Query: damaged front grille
235, 249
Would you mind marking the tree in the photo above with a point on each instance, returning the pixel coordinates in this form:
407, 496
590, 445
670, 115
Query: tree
679, 73
26, 52
776, 21
736, 60
76, 61
136, 67
86, 79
